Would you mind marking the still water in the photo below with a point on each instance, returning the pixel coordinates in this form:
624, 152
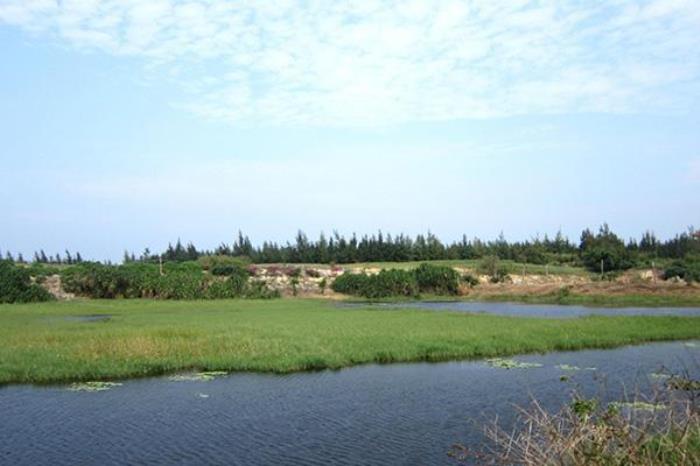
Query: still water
374, 414
530, 310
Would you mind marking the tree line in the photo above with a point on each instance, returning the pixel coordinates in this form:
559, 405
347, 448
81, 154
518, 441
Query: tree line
40, 257
593, 248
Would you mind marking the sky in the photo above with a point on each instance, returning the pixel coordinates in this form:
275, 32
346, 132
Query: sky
129, 124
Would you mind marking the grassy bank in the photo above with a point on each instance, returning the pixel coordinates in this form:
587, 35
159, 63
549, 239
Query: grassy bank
43, 343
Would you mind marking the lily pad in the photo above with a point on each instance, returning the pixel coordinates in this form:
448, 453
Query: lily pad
95, 386
511, 364
197, 376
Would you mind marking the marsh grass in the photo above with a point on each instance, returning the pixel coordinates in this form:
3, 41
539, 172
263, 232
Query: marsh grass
145, 337
660, 431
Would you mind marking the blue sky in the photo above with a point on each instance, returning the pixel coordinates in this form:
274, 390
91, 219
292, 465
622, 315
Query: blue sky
128, 124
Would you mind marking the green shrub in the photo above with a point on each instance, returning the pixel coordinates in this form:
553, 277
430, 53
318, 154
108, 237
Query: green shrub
257, 289
209, 262
392, 282
16, 285
688, 270
386, 283
607, 249
491, 266
437, 279
350, 283
184, 280
470, 280
488, 265
230, 270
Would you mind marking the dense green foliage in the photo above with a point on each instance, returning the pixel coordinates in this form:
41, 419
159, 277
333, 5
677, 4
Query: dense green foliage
386, 283
178, 281
16, 285
436, 279
605, 252
426, 278
688, 270
45, 343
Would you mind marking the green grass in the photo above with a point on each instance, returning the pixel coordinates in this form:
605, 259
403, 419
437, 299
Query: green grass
39, 345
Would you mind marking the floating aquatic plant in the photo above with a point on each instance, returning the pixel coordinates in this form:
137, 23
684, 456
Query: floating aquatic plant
198, 376
659, 376
636, 406
511, 364
568, 367
93, 386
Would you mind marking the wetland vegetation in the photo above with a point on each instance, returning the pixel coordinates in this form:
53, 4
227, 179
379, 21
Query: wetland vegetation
43, 342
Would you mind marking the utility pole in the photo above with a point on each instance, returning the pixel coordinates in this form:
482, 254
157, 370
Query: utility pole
160, 263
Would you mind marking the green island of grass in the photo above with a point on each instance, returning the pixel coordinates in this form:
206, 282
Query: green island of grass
87, 340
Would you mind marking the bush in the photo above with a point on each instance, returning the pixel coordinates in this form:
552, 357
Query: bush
608, 249
97, 280
688, 270
209, 262
350, 283
180, 281
488, 265
491, 266
470, 280
16, 285
392, 282
386, 283
437, 279
230, 270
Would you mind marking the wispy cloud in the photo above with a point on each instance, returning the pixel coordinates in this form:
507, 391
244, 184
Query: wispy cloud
384, 62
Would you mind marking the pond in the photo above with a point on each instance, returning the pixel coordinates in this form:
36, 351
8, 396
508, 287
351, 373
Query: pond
373, 415
530, 310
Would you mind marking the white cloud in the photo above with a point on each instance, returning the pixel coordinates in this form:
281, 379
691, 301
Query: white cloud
384, 62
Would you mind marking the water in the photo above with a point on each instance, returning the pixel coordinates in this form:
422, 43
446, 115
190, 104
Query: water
531, 310
372, 415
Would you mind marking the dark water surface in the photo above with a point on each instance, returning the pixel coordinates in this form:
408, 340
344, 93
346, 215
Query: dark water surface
531, 310
390, 414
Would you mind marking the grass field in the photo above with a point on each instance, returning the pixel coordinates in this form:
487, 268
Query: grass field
44, 343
